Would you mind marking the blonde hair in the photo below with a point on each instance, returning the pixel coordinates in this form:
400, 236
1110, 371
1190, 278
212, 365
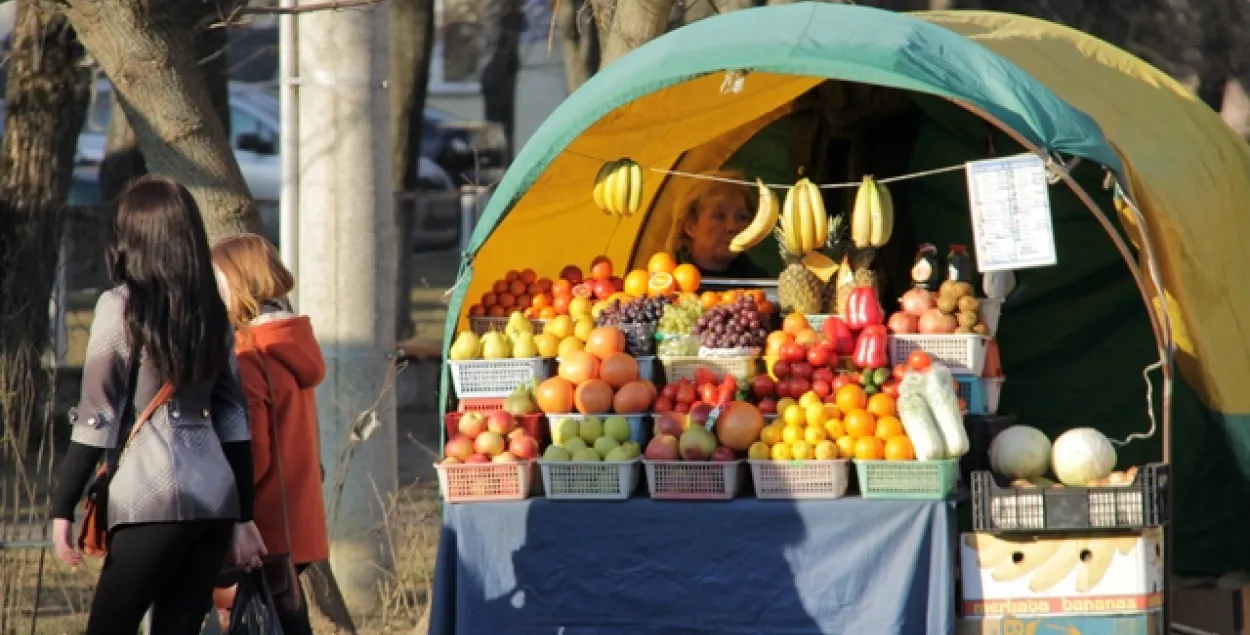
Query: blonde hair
254, 275
693, 197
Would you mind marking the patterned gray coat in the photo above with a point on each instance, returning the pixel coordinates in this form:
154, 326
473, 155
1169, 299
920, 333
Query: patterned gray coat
173, 469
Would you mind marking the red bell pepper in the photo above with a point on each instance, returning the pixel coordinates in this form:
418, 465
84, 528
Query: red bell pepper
863, 309
870, 348
837, 332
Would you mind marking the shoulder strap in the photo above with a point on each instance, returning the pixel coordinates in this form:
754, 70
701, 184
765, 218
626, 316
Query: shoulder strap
277, 449
163, 395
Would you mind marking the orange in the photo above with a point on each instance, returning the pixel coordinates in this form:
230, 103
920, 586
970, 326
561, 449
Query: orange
517, 287
544, 284
635, 283
560, 304
528, 276
562, 288
795, 323
523, 301
661, 284
500, 286
688, 277
898, 448
859, 423
881, 405
601, 268
661, 262
851, 397
489, 299
496, 311
807, 337
534, 289
729, 297
512, 276
507, 300
834, 428
709, 299
540, 300
889, 426
756, 294
476, 311
846, 446
546, 313
869, 449
768, 306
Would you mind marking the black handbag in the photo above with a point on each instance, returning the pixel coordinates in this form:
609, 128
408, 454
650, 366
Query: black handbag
253, 611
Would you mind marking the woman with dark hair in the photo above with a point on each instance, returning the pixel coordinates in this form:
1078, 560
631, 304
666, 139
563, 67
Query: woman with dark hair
180, 489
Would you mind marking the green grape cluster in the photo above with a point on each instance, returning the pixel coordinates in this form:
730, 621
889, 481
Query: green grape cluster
680, 317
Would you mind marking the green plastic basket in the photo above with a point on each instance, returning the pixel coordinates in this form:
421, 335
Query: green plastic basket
912, 480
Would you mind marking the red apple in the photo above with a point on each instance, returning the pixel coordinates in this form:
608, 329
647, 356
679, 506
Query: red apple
801, 370
763, 387
488, 443
669, 391
668, 423
685, 392
477, 458
662, 404
799, 386
523, 447
818, 357
471, 424
451, 460
792, 352
617, 283
823, 374
518, 432
767, 406
723, 454
683, 408
500, 422
822, 388
662, 448
459, 447
840, 380
698, 415
503, 457
572, 273
781, 369
783, 389
603, 288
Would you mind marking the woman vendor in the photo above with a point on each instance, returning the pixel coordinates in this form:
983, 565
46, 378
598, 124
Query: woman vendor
707, 216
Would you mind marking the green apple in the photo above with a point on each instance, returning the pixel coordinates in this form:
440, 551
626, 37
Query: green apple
618, 453
574, 444
632, 450
556, 453
564, 430
591, 429
604, 445
617, 427
587, 455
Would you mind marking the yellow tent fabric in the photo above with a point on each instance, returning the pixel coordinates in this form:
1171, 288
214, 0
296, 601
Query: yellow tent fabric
1188, 171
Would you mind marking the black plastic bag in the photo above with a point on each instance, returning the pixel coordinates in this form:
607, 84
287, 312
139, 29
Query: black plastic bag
253, 612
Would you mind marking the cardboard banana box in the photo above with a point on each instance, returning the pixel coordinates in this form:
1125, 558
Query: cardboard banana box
1105, 574
1140, 624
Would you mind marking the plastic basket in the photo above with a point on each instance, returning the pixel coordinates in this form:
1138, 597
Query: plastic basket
581, 481
495, 377
532, 423
481, 404
684, 480
911, 480
962, 354
481, 482
980, 393
639, 424
981, 432
483, 324
800, 479
678, 368
998, 507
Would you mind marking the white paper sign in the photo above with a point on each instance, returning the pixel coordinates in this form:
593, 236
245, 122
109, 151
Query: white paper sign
1011, 222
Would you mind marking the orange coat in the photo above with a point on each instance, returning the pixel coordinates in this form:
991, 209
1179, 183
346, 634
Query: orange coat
295, 365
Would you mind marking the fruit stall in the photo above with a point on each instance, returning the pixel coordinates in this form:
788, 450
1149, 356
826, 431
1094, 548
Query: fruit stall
635, 446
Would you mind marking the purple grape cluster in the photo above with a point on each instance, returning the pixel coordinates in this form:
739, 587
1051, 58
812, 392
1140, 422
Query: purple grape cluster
636, 311
736, 325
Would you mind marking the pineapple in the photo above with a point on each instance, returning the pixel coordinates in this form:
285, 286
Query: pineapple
798, 289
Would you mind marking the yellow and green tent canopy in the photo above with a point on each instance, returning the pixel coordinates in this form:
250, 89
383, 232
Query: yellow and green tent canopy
1075, 337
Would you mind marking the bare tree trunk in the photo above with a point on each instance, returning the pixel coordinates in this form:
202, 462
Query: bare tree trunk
634, 23
579, 42
499, 75
152, 63
46, 103
122, 160
412, 38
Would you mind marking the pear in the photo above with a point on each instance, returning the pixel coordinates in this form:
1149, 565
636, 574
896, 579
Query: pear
604, 445
523, 345
567, 428
466, 346
495, 346
591, 428
557, 453
517, 325
587, 455
631, 449
619, 453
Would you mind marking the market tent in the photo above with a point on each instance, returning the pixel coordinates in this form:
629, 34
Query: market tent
1074, 337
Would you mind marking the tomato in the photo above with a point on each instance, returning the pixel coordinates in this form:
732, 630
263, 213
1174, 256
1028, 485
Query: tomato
919, 360
822, 374
802, 370
900, 371
762, 387
817, 357
890, 388
703, 376
822, 388
662, 404
685, 393
782, 388
792, 352
707, 393
781, 369
669, 391
799, 386
840, 380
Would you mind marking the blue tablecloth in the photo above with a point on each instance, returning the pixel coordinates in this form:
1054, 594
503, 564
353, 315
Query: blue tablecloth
641, 567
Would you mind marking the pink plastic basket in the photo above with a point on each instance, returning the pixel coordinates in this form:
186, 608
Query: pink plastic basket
481, 482
685, 480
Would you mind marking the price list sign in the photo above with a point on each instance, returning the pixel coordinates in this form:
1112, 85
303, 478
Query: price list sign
1011, 221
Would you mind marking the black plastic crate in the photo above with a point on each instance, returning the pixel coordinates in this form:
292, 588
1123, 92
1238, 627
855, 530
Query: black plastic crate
981, 432
999, 508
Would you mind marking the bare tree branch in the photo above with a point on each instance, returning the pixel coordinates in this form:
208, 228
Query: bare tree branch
234, 16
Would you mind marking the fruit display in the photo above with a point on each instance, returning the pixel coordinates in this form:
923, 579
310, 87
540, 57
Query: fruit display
493, 437
952, 310
849, 424
601, 378
517, 340
738, 326
618, 188
872, 218
570, 293
637, 318
675, 329
591, 439
686, 395
693, 443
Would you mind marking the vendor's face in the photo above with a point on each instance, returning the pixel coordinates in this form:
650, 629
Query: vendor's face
714, 226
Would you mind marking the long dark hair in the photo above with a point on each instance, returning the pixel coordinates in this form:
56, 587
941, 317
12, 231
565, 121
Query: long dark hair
159, 251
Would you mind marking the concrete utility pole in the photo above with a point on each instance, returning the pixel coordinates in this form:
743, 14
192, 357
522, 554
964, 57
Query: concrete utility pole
347, 277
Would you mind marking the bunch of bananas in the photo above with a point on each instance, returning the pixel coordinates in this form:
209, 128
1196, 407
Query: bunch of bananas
804, 222
872, 219
762, 225
618, 188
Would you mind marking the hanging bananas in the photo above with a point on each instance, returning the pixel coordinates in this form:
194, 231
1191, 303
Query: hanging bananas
618, 188
872, 219
762, 225
803, 219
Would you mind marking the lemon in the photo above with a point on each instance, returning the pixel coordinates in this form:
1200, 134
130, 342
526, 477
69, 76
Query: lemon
815, 414
846, 446
826, 450
794, 415
834, 429
759, 451
579, 307
568, 345
832, 412
790, 434
771, 433
802, 450
784, 404
809, 398
560, 326
814, 434
583, 326
548, 344
781, 452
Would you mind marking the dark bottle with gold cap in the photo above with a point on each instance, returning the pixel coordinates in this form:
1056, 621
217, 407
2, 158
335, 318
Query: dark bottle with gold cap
925, 273
959, 264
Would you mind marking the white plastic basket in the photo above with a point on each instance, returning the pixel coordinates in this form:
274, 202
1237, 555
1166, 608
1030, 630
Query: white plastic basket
962, 354
690, 480
800, 479
478, 378
484, 482
584, 480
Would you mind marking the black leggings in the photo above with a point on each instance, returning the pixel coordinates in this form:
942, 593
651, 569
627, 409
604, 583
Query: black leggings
169, 567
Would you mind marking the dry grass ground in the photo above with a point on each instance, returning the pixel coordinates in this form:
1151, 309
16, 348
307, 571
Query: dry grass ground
413, 520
